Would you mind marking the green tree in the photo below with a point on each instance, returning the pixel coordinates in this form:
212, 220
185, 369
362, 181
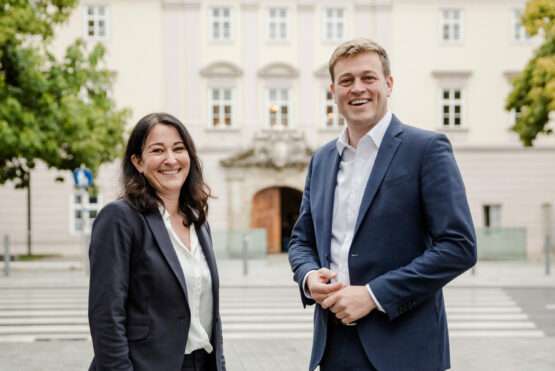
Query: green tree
58, 112
533, 92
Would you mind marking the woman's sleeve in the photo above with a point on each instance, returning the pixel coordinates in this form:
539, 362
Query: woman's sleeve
109, 255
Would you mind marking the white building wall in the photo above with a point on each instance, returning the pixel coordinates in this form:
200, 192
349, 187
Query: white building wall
158, 48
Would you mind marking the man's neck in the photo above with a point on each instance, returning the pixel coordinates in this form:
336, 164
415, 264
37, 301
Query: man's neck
355, 133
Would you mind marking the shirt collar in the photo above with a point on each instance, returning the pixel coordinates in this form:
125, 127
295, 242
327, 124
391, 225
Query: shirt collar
376, 133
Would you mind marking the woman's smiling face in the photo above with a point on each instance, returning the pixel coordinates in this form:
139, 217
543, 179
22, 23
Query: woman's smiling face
164, 161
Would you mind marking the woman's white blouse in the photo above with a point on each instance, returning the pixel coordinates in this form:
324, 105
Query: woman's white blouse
199, 287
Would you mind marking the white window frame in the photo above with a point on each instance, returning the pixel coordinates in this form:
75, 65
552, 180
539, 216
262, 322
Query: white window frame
452, 102
279, 102
337, 120
96, 18
334, 20
447, 18
492, 213
220, 20
74, 207
279, 21
518, 31
221, 103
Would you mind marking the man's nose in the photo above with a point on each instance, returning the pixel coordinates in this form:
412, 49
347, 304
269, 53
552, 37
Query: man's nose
357, 86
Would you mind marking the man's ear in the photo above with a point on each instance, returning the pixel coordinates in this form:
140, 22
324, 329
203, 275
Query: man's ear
333, 92
389, 83
137, 163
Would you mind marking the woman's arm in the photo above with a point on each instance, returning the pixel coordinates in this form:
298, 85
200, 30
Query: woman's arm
109, 254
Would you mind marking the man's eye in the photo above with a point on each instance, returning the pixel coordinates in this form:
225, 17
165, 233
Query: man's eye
345, 81
368, 78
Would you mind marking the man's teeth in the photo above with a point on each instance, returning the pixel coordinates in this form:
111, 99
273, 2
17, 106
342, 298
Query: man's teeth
359, 101
169, 172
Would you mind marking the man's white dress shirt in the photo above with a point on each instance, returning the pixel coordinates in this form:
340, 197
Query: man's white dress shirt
354, 172
199, 286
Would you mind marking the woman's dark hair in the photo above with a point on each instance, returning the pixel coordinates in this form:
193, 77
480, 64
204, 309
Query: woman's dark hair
137, 191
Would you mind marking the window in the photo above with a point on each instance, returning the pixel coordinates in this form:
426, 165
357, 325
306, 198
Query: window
451, 25
451, 105
96, 22
334, 24
332, 118
221, 108
492, 216
518, 32
221, 26
83, 204
277, 25
278, 109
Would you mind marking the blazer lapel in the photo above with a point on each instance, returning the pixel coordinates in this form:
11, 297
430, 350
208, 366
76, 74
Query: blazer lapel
206, 243
387, 150
154, 220
332, 162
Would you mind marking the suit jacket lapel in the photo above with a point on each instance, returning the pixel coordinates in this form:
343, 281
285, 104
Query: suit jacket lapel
206, 243
387, 150
332, 163
154, 220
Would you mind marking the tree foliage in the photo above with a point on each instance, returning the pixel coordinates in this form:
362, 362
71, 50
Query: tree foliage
59, 112
534, 88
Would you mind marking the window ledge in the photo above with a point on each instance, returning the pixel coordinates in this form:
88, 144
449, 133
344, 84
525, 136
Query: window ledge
222, 130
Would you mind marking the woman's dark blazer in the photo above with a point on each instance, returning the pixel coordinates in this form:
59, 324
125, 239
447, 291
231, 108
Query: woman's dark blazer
138, 309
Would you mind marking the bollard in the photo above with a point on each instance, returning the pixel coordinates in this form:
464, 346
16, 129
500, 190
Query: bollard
245, 254
7, 256
548, 229
547, 254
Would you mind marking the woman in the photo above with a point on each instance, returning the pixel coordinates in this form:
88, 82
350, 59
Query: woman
153, 297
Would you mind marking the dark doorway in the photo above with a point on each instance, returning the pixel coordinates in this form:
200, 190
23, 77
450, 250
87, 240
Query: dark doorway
276, 209
290, 205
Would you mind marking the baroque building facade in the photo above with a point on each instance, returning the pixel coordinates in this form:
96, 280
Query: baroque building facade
249, 79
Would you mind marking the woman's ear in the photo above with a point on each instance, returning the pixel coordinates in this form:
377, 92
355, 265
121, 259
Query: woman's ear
137, 163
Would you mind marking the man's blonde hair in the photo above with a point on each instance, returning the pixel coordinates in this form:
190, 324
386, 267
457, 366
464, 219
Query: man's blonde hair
358, 46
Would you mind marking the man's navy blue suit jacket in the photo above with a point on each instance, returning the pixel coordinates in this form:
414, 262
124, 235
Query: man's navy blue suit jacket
138, 308
414, 234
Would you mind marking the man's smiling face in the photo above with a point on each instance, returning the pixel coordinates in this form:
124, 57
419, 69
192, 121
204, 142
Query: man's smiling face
360, 89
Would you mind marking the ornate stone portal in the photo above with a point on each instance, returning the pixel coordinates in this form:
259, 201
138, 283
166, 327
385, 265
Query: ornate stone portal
275, 149
276, 160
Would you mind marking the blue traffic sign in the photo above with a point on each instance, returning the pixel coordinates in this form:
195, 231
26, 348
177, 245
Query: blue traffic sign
83, 177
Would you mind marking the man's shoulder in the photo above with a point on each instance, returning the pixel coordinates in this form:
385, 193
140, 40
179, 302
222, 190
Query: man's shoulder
326, 149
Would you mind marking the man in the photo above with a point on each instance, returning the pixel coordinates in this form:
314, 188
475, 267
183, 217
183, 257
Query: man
384, 225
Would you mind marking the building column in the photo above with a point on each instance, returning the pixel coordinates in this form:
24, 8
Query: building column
363, 21
306, 65
382, 23
171, 59
251, 103
192, 50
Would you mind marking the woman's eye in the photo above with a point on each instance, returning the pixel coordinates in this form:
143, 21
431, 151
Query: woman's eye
179, 149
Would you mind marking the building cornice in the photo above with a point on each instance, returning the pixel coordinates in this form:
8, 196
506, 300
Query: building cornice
460, 74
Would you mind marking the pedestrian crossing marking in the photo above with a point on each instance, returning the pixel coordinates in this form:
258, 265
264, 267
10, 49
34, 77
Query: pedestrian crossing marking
36, 314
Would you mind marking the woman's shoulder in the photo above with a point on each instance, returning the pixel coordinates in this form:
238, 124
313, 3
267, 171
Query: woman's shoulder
119, 208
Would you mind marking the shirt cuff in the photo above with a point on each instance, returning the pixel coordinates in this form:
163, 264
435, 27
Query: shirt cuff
378, 305
306, 291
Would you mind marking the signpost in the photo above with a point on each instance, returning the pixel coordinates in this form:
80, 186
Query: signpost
84, 179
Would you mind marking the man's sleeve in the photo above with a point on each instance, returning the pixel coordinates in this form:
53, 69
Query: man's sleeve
449, 225
303, 255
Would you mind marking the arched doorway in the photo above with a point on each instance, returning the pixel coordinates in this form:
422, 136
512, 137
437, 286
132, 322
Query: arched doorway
276, 209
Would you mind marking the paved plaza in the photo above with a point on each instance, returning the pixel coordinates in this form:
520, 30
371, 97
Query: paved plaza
500, 317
